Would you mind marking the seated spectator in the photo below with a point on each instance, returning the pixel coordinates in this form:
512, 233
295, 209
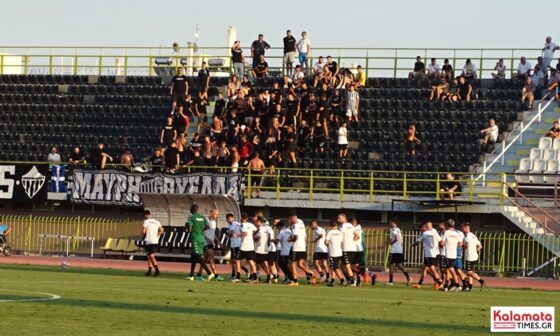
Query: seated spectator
126, 159
324, 76
469, 71
412, 141
528, 92
99, 157
171, 158
553, 82
554, 131
538, 81
490, 133
360, 78
419, 69
448, 72
77, 157
540, 64
233, 86
54, 157
440, 91
434, 70
343, 140
168, 133
295, 79
450, 187
352, 103
319, 66
463, 91
523, 69
260, 70
500, 69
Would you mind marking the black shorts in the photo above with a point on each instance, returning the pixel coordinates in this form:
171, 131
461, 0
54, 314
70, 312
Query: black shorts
296, 256
448, 263
396, 258
260, 258
247, 255
440, 260
273, 257
343, 147
470, 266
211, 247
334, 262
235, 253
430, 262
351, 258
151, 248
178, 97
320, 256
256, 179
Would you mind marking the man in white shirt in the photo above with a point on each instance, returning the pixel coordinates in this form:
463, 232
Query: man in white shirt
320, 254
523, 69
247, 248
304, 50
548, 52
429, 238
451, 240
234, 232
472, 246
396, 257
319, 65
262, 241
334, 241
273, 252
348, 247
299, 251
469, 71
283, 240
434, 70
490, 133
151, 229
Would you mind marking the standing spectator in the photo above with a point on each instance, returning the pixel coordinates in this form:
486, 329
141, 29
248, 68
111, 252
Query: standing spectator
419, 69
237, 59
203, 77
291, 145
257, 169
434, 70
304, 50
156, 160
554, 131
540, 65
412, 141
180, 120
171, 158
220, 106
360, 79
77, 157
523, 69
179, 88
54, 157
258, 49
469, 71
152, 230
500, 69
99, 157
200, 109
260, 69
126, 159
548, 52
352, 103
490, 133
447, 69
289, 51
343, 140
168, 133
450, 187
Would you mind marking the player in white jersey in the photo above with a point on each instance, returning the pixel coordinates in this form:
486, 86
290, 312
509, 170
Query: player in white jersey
359, 262
450, 241
212, 243
299, 251
152, 230
262, 243
285, 247
396, 257
247, 248
320, 255
429, 238
234, 245
334, 241
349, 246
472, 246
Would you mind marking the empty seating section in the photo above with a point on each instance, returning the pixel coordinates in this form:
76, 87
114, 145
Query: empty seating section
37, 112
543, 164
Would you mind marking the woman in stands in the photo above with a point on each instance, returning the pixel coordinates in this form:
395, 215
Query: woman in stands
412, 141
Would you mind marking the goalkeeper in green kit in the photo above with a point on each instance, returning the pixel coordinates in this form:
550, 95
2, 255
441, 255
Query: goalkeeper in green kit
196, 224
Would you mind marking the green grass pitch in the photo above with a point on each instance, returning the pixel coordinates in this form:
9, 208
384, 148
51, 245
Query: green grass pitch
111, 302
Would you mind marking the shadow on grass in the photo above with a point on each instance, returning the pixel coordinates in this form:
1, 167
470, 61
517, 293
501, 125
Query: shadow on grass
234, 313
80, 270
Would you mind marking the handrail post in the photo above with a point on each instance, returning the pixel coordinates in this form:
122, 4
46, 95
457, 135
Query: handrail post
25, 63
471, 188
249, 185
342, 185
278, 183
503, 151
2, 62
404, 186
484, 173
75, 62
367, 63
539, 111
503, 182
511, 64
100, 64
481, 61
126, 64
521, 134
50, 62
438, 187
371, 182
311, 186
395, 64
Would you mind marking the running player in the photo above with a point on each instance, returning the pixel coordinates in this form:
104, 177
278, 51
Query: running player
247, 249
459, 261
396, 257
348, 247
262, 239
152, 230
450, 241
299, 251
320, 255
358, 264
272, 251
472, 246
429, 238
212, 243
234, 244
283, 240
196, 224
334, 241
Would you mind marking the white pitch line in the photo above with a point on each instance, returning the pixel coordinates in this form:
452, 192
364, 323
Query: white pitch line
48, 298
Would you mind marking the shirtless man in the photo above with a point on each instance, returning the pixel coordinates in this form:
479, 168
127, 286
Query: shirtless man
256, 167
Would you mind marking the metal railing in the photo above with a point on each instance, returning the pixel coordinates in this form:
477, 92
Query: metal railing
122, 60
